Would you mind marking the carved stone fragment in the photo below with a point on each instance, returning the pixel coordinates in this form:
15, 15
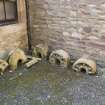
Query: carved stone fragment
31, 61
85, 65
3, 66
40, 51
59, 58
17, 56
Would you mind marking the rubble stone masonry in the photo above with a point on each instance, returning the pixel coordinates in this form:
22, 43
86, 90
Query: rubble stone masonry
77, 26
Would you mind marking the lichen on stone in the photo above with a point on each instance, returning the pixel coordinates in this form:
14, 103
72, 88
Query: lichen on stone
17, 56
60, 58
31, 61
85, 65
3, 66
40, 51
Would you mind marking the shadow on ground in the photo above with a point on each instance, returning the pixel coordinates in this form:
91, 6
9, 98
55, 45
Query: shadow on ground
44, 84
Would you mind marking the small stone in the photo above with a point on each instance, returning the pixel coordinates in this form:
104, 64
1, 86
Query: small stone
10, 71
3, 66
87, 29
85, 64
20, 74
77, 35
66, 33
32, 61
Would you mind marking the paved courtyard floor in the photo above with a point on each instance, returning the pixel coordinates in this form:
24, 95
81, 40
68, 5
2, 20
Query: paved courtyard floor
44, 84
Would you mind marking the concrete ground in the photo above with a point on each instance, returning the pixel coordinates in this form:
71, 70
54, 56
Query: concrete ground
44, 84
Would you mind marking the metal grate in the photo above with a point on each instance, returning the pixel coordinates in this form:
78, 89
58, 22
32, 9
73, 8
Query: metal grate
8, 12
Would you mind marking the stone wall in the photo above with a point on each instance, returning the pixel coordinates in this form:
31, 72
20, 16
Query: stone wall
78, 26
14, 35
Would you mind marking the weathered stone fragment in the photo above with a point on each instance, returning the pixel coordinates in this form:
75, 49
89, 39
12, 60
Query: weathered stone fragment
16, 56
85, 65
3, 66
59, 58
40, 51
32, 61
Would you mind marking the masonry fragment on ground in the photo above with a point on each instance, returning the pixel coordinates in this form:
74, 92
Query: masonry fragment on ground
59, 58
31, 61
40, 51
17, 56
85, 64
3, 66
